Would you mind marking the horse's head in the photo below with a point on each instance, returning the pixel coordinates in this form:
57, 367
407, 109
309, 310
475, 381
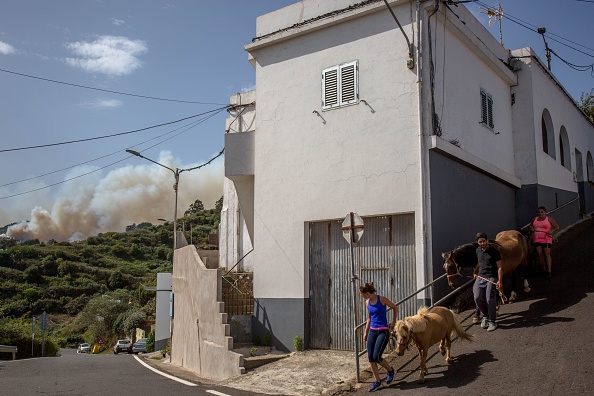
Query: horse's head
403, 337
451, 268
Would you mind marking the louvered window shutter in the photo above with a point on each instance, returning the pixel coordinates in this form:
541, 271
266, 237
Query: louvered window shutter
484, 118
349, 92
340, 85
330, 88
490, 111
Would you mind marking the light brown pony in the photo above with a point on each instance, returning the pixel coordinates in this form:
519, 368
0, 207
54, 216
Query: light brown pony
513, 248
426, 328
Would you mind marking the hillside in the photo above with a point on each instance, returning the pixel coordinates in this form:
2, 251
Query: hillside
92, 289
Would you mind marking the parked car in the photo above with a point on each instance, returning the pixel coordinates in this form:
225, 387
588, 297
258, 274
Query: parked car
122, 346
84, 348
139, 346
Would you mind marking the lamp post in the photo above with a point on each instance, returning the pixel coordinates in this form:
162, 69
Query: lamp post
176, 173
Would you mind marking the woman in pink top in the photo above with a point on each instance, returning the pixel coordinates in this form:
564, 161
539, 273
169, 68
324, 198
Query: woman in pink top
542, 238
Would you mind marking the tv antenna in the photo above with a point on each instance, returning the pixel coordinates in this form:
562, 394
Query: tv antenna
495, 14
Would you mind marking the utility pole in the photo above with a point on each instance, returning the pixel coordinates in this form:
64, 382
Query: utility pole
542, 32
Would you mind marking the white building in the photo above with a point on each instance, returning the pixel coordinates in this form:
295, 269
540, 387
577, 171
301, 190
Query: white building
429, 142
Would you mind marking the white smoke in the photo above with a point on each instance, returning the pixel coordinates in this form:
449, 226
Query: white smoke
92, 204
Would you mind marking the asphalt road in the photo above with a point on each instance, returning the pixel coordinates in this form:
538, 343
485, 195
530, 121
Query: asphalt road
544, 344
86, 374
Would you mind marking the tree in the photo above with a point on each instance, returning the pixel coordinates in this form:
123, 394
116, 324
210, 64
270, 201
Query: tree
219, 204
587, 104
197, 206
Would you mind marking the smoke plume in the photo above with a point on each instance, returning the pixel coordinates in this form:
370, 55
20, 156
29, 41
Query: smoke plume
132, 194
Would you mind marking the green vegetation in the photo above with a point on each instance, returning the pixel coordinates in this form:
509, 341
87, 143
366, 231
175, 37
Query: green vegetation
93, 290
298, 343
586, 103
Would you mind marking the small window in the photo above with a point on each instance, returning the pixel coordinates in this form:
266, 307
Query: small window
340, 85
487, 109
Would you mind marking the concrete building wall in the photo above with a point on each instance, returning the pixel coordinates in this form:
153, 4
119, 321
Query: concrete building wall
314, 167
545, 180
201, 340
162, 318
466, 63
234, 240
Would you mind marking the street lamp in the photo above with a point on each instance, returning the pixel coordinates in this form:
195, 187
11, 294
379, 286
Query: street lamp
176, 173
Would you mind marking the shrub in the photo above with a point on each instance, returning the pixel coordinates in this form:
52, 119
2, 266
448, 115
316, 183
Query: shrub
150, 342
298, 343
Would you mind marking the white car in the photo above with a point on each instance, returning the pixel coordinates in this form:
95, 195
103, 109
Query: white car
122, 346
84, 348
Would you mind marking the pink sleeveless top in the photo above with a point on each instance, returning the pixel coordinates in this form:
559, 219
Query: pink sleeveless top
541, 227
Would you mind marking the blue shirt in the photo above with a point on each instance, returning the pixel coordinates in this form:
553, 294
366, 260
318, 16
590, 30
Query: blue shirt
377, 312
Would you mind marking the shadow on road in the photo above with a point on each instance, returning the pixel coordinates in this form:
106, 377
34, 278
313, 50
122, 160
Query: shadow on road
465, 369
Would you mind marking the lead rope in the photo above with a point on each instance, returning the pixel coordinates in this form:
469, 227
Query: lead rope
501, 294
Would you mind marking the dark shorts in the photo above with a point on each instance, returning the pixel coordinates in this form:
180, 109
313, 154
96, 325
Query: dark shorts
544, 245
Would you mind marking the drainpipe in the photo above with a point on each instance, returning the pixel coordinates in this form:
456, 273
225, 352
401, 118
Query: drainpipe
423, 155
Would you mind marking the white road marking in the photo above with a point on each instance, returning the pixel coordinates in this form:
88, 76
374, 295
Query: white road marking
171, 377
214, 392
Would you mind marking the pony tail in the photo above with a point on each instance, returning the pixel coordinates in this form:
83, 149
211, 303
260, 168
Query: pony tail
459, 330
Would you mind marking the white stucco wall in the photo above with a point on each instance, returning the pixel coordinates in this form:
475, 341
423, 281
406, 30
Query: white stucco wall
466, 61
539, 91
356, 158
234, 241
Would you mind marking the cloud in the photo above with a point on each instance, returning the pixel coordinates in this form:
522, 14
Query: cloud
6, 49
117, 22
131, 194
103, 104
111, 55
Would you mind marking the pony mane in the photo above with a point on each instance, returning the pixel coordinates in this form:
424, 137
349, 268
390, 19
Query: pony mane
417, 323
464, 248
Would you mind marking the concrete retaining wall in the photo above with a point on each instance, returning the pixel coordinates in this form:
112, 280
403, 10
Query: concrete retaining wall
201, 339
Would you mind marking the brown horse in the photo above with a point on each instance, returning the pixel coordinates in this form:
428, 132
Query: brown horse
426, 328
512, 247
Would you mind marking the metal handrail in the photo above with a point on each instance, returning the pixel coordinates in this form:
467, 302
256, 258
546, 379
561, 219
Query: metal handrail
554, 210
428, 285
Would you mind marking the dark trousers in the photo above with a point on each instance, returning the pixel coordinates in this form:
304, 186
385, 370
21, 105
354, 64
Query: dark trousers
485, 296
377, 340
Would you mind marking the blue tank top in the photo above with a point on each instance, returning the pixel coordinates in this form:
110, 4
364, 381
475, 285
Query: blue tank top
377, 312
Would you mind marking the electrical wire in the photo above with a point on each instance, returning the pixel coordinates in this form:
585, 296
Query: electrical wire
113, 135
531, 27
103, 167
105, 90
573, 66
188, 126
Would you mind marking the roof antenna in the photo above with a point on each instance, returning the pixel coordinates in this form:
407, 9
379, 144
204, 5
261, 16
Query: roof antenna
542, 32
495, 13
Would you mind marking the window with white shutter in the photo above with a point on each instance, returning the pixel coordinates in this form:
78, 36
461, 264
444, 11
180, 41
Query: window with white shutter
487, 109
340, 85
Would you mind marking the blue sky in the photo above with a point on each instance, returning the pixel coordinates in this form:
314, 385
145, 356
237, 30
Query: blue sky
187, 51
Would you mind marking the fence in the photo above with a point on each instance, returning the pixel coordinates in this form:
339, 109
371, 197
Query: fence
238, 293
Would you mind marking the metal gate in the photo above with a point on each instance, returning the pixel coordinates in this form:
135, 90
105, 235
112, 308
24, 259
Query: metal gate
385, 256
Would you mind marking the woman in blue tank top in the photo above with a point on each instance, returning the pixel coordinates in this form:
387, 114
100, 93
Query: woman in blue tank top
377, 332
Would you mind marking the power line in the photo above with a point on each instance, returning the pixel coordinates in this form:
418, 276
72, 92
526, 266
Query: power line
534, 28
575, 67
187, 126
105, 90
96, 170
113, 135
